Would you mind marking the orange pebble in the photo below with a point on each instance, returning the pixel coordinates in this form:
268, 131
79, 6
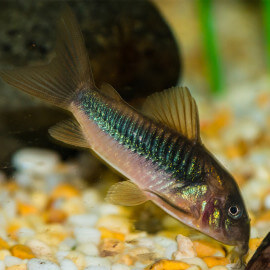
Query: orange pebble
237, 150
213, 127
214, 261
22, 252
204, 248
12, 186
169, 265
106, 233
17, 267
240, 179
254, 243
12, 231
25, 209
264, 217
3, 244
65, 191
55, 216
263, 99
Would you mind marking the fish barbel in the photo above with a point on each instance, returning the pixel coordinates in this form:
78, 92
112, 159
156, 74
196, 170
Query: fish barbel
158, 149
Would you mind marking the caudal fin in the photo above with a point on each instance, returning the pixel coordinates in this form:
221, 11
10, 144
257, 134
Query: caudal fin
67, 73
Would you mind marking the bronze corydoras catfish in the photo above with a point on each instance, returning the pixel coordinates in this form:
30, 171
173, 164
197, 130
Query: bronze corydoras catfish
159, 149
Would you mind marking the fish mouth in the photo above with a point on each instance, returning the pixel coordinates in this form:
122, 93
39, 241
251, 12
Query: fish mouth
238, 253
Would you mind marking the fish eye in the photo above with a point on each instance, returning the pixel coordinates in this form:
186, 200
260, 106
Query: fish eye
235, 212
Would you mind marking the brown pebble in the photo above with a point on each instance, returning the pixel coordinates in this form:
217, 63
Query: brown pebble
55, 216
111, 247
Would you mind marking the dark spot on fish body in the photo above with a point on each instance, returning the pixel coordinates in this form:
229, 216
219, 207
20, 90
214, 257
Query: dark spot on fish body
153, 143
161, 145
131, 133
124, 129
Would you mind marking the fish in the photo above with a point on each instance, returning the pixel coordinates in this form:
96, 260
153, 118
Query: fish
158, 148
261, 258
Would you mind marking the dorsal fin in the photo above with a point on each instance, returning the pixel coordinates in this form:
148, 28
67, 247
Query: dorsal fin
69, 132
67, 73
109, 91
176, 108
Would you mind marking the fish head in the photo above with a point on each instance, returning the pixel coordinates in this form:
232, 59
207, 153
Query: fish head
224, 215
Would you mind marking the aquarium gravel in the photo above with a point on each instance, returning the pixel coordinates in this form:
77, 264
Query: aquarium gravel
51, 218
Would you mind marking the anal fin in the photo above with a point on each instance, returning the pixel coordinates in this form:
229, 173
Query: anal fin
126, 193
69, 132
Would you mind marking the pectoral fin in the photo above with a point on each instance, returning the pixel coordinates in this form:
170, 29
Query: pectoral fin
176, 108
126, 193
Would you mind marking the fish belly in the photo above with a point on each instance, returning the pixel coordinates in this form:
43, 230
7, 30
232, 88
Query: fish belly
131, 165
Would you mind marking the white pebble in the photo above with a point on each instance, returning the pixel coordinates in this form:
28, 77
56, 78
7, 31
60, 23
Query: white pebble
267, 202
254, 232
38, 264
194, 267
139, 266
67, 244
86, 235
3, 222
4, 253
23, 179
10, 208
2, 265
196, 261
39, 248
108, 209
185, 248
170, 250
87, 220
88, 249
35, 160
249, 129
119, 266
68, 264
90, 198
96, 261
169, 245
11, 260
60, 255
53, 179
25, 233
262, 228
98, 268
146, 242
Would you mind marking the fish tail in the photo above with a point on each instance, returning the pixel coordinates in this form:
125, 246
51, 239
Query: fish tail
67, 73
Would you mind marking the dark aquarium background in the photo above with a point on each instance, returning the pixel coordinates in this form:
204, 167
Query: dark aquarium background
130, 44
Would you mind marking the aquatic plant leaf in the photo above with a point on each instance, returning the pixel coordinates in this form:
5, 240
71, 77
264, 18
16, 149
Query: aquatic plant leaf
109, 91
176, 108
69, 132
126, 193
68, 72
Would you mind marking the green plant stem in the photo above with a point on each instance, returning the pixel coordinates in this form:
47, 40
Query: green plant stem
213, 61
266, 18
